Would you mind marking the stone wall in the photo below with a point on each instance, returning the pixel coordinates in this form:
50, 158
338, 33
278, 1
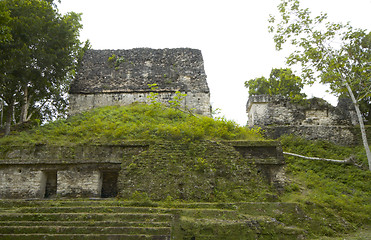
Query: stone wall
20, 182
313, 119
43, 171
204, 171
100, 82
198, 102
78, 182
268, 158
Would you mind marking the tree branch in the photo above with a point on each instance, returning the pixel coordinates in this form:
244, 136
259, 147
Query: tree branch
346, 161
367, 92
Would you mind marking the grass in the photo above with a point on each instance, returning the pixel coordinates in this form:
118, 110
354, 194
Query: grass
139, 121
342, 191
335, 197
361, 234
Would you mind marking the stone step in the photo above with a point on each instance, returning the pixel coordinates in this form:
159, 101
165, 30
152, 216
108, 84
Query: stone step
86, 223
252, 206
225, 213
206, 229
130, 217
252, 236
82, 237
113, 202
11, 203
83, 230
114, 219
84, 209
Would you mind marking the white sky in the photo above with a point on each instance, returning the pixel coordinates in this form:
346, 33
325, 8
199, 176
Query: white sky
232, 35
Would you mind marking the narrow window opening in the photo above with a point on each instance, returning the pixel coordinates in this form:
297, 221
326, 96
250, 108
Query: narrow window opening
109, 184
50, 184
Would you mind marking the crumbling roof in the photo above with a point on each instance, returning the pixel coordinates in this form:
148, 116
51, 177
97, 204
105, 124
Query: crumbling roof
171, 69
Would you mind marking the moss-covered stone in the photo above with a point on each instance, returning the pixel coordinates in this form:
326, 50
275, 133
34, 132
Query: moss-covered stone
196, 171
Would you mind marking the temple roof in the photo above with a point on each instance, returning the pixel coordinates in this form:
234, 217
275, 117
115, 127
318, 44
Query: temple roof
171, 69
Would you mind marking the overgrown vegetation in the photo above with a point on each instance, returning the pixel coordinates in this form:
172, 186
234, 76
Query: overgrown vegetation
331, 53
200, 171
331, 198
341, 191
281, 82
40, 54
138, 121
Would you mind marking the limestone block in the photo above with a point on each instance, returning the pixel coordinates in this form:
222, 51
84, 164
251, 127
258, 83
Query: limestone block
20, 182
199, 102
75, 182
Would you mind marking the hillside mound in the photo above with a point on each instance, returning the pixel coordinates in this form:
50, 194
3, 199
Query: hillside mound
181, 156
138, 121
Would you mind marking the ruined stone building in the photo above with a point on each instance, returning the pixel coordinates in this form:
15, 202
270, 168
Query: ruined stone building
108, 170
105, 77
313, 119
121, 77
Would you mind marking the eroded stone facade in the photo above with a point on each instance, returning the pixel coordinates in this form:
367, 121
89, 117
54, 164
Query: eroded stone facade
313, 119
100, 82
20, 182
197, 102
45, 171
78, 182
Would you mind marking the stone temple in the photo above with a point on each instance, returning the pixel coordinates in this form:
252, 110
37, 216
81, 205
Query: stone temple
313, 119
121, 77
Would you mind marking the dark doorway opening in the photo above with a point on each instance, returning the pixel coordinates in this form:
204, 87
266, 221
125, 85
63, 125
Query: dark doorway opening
51, 184
109, 184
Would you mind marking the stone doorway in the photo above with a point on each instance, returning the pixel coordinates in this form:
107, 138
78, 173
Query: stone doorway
50, 184
109, 184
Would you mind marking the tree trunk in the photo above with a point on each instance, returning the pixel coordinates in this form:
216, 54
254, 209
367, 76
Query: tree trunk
2, 113
361, 125
9, 117
25, 105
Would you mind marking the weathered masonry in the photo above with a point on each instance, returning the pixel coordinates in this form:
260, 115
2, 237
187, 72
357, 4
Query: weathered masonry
121, 77
314, 119
44, 171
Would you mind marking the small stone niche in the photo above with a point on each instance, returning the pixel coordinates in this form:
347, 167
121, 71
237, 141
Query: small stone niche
109, 184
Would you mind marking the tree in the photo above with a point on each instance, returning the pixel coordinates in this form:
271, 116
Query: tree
281, 82
38, 60
327, 52
5, 34
365, 107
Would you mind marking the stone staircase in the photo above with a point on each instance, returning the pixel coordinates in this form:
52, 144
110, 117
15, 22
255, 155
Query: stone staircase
114, 219
82, 220
249, 220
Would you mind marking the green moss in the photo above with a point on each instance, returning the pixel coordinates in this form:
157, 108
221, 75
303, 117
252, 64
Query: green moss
238, 228
238, 220
192, 171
